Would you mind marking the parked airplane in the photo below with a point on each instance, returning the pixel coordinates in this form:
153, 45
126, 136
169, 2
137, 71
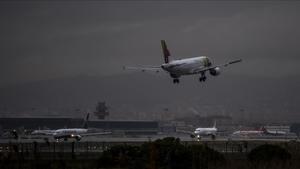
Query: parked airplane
187, 66
247, 133
276, 132
211, 131
259, 132
76, 133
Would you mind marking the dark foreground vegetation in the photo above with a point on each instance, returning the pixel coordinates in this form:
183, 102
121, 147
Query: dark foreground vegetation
168, 153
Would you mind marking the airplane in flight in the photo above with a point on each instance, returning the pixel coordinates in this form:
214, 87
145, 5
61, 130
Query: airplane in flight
188, 66
67, 133
210, 131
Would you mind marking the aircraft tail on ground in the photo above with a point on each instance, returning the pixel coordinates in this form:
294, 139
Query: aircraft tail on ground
215, 124
165, 51
85, 123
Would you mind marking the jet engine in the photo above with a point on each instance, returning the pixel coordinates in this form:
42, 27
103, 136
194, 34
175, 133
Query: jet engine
77, 137
215, 71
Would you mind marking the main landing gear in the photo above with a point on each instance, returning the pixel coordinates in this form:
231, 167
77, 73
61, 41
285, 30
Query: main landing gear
202, 77
175, 80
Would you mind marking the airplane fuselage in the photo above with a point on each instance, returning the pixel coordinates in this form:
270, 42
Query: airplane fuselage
248, 132
186, 66
69, 133
205, 131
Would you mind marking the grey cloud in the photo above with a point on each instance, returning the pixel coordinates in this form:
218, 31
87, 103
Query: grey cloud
49, 40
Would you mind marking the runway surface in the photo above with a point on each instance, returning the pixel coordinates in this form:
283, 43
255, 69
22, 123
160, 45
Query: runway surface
112, 138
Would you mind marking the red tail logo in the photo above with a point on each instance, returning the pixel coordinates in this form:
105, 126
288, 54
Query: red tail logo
165, 51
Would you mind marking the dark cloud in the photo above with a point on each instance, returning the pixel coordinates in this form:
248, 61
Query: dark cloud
76, 43
44, 40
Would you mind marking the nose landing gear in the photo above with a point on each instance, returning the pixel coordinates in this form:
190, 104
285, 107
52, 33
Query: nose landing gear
175, 80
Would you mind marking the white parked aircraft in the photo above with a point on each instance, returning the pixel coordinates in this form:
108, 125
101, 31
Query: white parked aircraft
187, 66
259, 132
76, 133
248, 133
275, 132
210, 131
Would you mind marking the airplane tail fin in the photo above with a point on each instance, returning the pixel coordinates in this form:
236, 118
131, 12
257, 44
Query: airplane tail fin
85, 123
215, 124
165, 51
263, 129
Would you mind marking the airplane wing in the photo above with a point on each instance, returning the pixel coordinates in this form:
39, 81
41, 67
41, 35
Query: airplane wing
184, 131
231, 62
95, 134
143, 69
43, 132
190, 133
213, 67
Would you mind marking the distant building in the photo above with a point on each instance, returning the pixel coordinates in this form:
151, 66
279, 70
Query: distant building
101, 110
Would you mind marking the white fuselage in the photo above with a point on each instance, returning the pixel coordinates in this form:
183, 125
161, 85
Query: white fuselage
258, 132
205, 131
61, 133
248, 133
275, 132
76, 133
186, 66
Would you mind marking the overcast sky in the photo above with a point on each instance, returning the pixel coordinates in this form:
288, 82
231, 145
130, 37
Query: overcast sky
45, 40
